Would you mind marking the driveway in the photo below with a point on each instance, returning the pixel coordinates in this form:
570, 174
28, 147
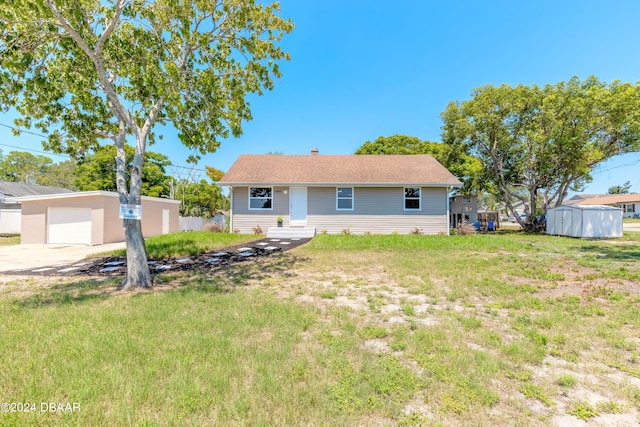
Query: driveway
631, 226
18, 257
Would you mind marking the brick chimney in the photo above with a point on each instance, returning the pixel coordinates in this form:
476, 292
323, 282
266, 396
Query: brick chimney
314, 151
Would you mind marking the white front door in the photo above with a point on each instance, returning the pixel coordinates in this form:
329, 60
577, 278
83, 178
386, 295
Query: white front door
298, 205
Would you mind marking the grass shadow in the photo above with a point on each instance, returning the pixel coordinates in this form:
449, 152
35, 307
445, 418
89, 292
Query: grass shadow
228, 278
626, 252
222, 279
70, 293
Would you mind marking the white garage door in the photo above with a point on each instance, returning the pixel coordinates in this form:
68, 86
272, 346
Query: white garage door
70, 226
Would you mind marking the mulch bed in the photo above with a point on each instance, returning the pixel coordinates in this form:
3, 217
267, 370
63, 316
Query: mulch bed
117, 266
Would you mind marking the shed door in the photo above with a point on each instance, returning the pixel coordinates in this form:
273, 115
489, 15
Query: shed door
165, 221
298, 205
69, 226
566, 222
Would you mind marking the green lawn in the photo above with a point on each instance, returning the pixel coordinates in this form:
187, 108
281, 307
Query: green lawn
189, 243
500, 329
9, 239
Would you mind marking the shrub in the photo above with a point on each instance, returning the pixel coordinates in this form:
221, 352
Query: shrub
464, 228
257, 230
236, 231
416, 231
323, 231
346, 231
213, 227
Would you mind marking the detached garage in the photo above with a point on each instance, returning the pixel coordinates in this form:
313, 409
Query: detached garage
585, 221
90, 218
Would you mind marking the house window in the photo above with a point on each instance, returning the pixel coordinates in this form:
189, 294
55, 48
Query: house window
466, 200
630, 208
412, 198
260, 198
344, 198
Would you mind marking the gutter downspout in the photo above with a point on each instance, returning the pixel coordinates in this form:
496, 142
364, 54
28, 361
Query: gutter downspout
448, 219
230, 209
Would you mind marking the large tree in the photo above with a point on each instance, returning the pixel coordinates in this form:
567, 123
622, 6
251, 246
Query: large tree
97, 171
201, 199
620, 189
464, 166
22, 166
84, 72
61, 174
537, 143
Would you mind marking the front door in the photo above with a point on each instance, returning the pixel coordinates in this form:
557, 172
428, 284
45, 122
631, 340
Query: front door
298, 205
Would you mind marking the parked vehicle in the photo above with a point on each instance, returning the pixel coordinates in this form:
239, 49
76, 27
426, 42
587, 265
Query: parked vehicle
523, 217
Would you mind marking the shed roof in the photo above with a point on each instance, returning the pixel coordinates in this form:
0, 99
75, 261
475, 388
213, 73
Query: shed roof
74, 194
586, 207
20, 189
313, 169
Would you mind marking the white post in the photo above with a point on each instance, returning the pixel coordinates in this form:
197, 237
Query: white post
230, 209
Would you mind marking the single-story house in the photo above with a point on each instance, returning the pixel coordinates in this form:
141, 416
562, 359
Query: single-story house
629, 203
340, 193
90, 218
10, 209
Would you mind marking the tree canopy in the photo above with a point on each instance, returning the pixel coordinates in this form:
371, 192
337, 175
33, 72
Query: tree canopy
97, 171
544, 140
465, 167
22, 166
620, 189
96, 70
200, 199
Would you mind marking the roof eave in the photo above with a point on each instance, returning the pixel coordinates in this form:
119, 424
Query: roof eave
333, 184
78, 194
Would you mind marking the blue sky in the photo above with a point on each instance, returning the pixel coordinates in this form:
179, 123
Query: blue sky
363, 69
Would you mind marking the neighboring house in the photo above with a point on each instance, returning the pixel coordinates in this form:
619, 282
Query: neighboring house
340, 193
10, 209
629, 203
506, 214
90, 218
463, 208
577, 198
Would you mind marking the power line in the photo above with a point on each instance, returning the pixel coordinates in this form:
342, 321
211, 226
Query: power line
35, 151
68, 156
22, 130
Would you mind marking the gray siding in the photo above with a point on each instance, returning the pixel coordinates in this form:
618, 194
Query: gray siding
376, 210
245, 220
376, 201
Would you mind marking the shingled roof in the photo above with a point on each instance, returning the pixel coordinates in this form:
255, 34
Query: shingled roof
610, 199
20, 189
277, 169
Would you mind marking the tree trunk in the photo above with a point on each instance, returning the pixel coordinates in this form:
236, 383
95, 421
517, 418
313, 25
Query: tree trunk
138, 274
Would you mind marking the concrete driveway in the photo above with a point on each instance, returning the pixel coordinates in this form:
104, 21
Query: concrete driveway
18, 257
632, 226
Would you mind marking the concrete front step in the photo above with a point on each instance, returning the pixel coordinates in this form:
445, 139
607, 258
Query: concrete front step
291, 232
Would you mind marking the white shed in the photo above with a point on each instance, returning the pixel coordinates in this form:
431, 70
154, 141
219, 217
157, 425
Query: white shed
586, 221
